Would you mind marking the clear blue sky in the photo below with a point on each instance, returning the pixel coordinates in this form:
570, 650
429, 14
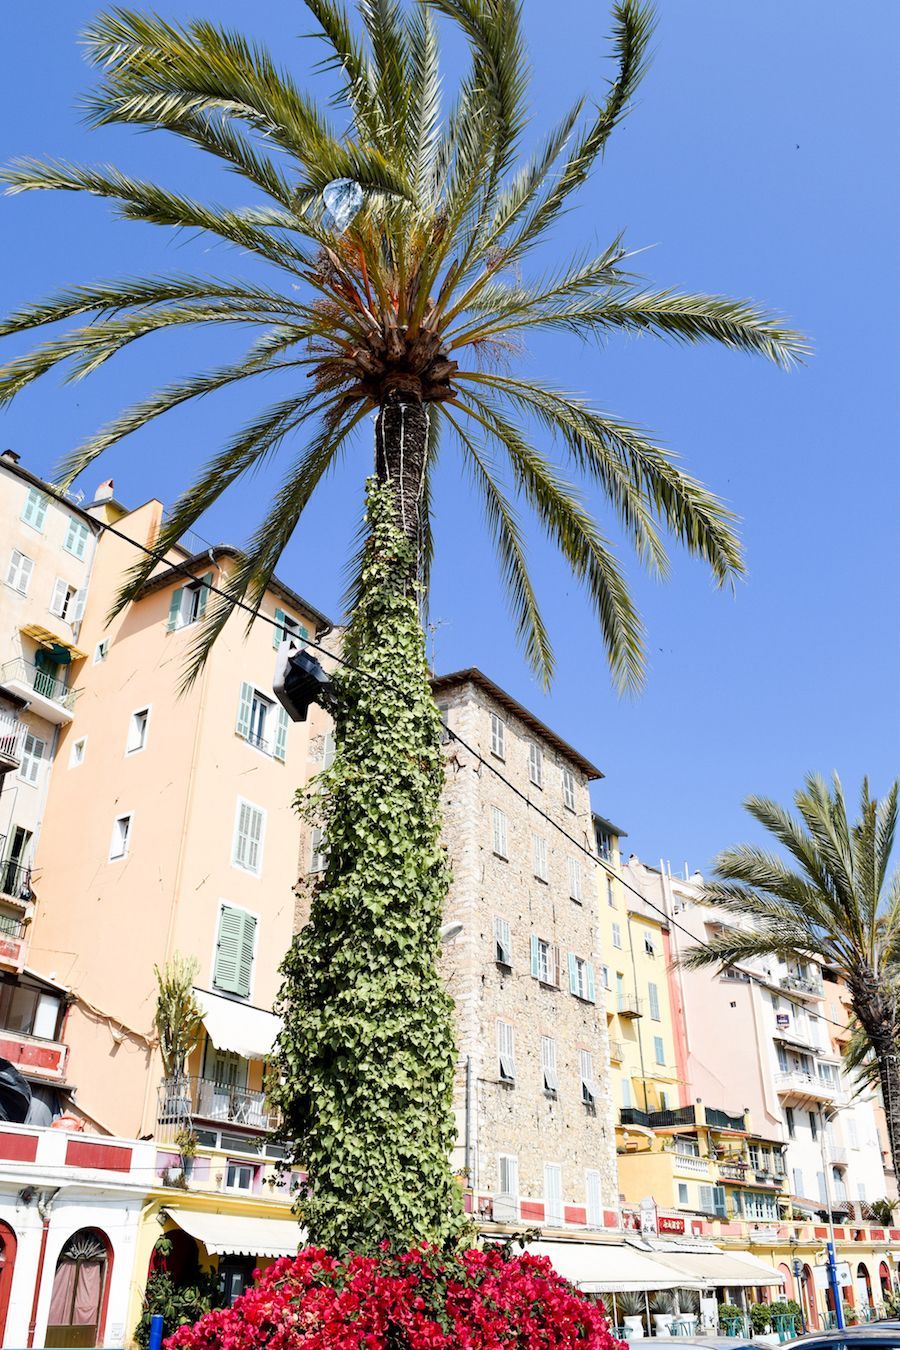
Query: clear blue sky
762, 161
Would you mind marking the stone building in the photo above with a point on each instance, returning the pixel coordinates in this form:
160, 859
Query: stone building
536, 1139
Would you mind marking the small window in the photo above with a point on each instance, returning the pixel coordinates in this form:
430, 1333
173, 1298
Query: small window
568, 787
239, 1176
575, 880
34, 511
65, 601
288, 627
506, 1052
659, 1050
548, 1065
19, 572
617, 935
502, 942
536, 764
318, 857
649, 947
498, 821
813, 1125
121, 838
607, 982
79, 750
508, 1175
188, 603
682, 1193
249, 824
33, 751
610, 893
76, 538
544, 961
137, 731
581, 978
101, 651
328, 750
588, 1088
261, 722
498, 737
653, 996
539, 856
604, 842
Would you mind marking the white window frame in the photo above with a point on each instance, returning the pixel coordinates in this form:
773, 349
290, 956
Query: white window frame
77, 529
617, 935
568, 789
548, 1066
506, 1051
683, 1193
498, 737
605, 977
328, 750
507, 1163
76, 760
30, 764
119, 836
610, 893
260, 843
554, 1205
593, 1198
588, 1082
539, 856
317, 859
575, 891
499, 833
65, 607
101, 651
649, 945
233, 1164
502, 941
18, 577
547, 965
536, 765
132, 723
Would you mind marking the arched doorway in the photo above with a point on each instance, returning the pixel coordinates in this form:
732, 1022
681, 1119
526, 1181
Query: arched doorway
884, 1276
80, 1291
7, 1266
863, 1286
808, 1299
787, 1279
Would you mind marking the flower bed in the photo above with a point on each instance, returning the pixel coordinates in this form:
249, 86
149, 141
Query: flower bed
415, 1300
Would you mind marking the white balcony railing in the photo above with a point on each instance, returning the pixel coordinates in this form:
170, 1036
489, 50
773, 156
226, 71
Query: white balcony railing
12, 734
691, 1165
807, 1085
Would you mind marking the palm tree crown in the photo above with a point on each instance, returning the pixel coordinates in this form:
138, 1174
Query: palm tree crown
406, 286
838, 902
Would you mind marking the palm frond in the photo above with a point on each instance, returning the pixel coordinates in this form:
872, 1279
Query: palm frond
348, 56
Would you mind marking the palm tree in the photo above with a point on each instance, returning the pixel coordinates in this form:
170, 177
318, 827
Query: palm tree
836, 904
385, 255
411, 308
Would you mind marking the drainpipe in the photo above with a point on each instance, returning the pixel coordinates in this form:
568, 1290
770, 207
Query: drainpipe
468, 1146
44, 1206
640, 1040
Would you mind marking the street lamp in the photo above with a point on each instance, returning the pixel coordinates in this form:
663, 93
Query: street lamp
832, 1262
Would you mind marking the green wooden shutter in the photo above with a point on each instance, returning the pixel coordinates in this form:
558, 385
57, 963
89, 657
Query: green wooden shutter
205, 583
573, 973
278, 631
535, 957
245, 957
228, 949
175, 608
245, 709
591, 987
281, 731
304, 633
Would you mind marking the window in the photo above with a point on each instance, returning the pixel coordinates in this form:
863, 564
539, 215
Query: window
19, 572
188, 603
626, 1093
575, 880
121, 837
649, 948
783, 1064
498, 736
506, 1202
568, 787
663, 1102
498, 821
653, 996
789, 1121
536, 764
76, 538
79, 750
286, 627
659, 1050
687, 1144
235, 942
261, 722
610, 893
249, 823
604, 842
506, 1052
712, 1200
328, 750
581, 978
544, 961
101, 651
594, 1198
35, 510
32, 753
539, 856
588, 1090
682, 1193
65, 601
317, 855
239, 1176
607, 984
813, 1124
617, 935
553, 1201
137, 731
548, 1065
502, 942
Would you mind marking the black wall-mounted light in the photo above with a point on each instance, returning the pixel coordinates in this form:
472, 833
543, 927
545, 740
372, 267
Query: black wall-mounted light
300, 681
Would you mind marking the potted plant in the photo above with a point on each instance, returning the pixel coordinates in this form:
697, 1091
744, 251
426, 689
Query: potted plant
731, 1319
760, 1318
663, 1305
186, 1143
689, 1310
631, 1308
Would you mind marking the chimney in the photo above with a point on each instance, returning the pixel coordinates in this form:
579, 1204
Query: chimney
104, 492
11, 456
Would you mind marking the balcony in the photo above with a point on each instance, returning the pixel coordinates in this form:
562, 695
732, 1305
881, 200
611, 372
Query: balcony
806, 985
50, 698
15, 883
616, 1051
836, 1155
629, 1005
721, 1120
689, 1164
12, 941
184, 1102
34, 1056
12, 734
797, 1083
733, 1171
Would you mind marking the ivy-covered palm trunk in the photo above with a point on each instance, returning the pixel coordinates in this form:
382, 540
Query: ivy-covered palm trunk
874, 1003
367, 1053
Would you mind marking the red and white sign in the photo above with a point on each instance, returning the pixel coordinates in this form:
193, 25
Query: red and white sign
669, 1224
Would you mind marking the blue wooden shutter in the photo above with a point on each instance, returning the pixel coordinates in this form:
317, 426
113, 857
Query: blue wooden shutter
591, 987
205, 583
304, 633
535, 956
281, 731
228, 949
175, 608
245, 710
573, 973
278, 631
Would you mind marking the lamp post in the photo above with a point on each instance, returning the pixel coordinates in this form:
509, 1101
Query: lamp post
797, 1267
829, 1246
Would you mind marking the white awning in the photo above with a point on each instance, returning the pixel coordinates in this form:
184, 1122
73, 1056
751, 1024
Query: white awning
247, 1031
720, 1268
237, 1235
604, 1267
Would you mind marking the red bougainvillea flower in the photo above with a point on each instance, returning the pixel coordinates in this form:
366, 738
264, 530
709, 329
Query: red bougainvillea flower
412, 1300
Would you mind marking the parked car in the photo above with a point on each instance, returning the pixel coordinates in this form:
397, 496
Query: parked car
868, 1336
686, 1342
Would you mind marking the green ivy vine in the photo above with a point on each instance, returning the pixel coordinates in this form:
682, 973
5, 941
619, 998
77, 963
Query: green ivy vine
367, 1051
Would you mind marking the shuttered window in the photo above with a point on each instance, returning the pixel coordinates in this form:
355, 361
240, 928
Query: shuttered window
188, 603
506, 1051
76, 538
502, 942
498, 736
544, 961
659, 1049
234, 951
581, 978
548, 1064
32, 753
553, 1200
539, 856
594, 1199
498, 827
588, 1090
317, 857
248, 836
285, 627
35, 510
653, 992
568, 787
19, 572
575, 880
536, 765
508, 1175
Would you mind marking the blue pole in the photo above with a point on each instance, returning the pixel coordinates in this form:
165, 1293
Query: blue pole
156, 1332
832, 1280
